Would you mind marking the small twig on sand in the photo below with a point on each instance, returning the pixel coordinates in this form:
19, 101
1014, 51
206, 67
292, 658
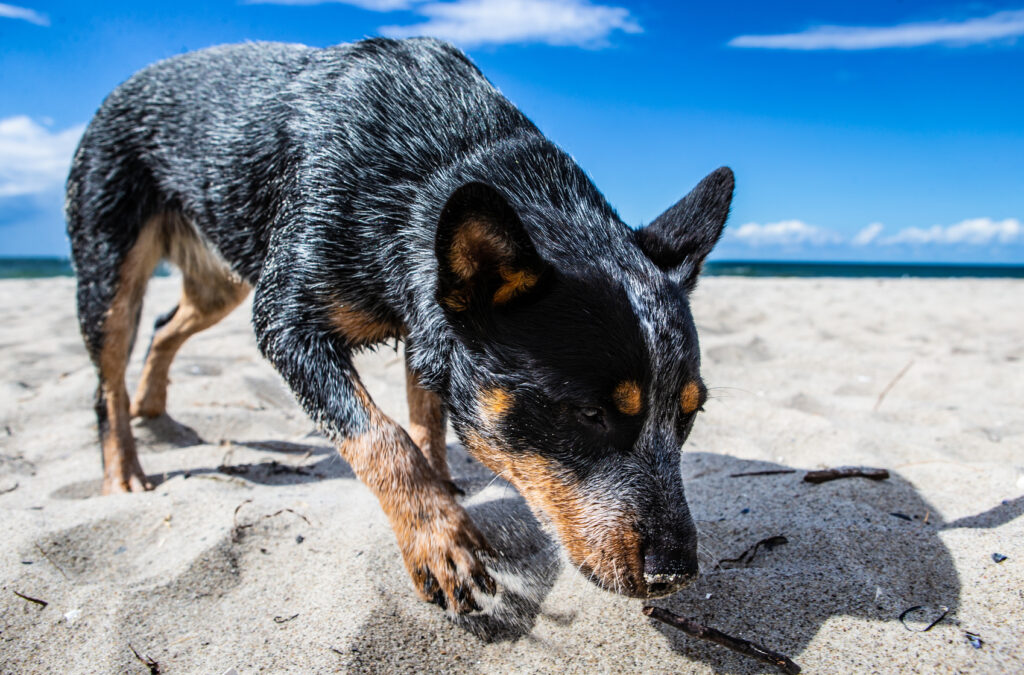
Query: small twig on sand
892, 384
773, 472
285, 619
748, 555
41, 603
50, 560
10, 489
237, 528
825, 475
911, 610
745, 647
234, 517
154, 667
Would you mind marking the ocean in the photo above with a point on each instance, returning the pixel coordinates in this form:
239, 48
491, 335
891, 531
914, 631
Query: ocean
38, 268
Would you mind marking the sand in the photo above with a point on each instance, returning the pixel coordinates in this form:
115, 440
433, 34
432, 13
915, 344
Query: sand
259, 551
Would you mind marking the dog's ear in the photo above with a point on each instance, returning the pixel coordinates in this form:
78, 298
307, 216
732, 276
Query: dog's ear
484, 255
679, 239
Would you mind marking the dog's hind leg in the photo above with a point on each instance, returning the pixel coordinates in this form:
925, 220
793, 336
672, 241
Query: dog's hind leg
118, 321
427, 424
209, 293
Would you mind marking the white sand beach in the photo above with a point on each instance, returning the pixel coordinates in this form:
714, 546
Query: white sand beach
259, 551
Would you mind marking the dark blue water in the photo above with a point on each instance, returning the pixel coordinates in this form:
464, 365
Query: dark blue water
845, 269
36, 268
41, 268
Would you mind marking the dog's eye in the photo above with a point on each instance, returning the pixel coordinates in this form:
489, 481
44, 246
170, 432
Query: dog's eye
592, 416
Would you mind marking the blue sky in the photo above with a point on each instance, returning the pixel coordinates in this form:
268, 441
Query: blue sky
888, 131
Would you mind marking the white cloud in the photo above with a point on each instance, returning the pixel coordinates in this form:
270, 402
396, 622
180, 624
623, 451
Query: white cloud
867, 235
998, 26
798, 234
34, 159
783, 233
554, 22
974, 231
373, 5
475, 22
23, 13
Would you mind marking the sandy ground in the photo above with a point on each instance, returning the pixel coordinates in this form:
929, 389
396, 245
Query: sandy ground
259, 551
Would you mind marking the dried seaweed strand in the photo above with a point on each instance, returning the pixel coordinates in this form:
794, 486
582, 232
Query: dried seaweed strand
892, 384
769, 543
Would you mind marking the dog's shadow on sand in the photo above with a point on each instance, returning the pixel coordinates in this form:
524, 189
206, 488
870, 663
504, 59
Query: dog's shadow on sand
293, 464
854, 547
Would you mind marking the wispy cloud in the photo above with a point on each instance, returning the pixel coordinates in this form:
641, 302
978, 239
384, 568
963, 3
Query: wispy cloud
999, 26
783, 233
33, 158
974, 231
867, 235
554, 22
469, 23
373, 5
23, 13
791, 234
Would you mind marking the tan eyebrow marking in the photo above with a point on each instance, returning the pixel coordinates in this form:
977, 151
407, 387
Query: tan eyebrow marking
628, 398
689, 399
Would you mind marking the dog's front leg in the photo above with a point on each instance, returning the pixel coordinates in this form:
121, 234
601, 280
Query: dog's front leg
439, 542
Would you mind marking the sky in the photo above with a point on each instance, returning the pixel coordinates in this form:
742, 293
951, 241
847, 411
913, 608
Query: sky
871, 131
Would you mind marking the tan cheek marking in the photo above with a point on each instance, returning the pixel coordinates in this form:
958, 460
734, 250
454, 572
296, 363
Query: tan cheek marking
628, 398
610, 550
690, 397
495, 403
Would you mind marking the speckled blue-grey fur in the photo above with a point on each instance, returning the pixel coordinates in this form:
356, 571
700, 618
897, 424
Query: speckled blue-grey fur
320, 176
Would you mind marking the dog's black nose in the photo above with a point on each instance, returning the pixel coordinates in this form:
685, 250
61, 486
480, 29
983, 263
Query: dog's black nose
670, 566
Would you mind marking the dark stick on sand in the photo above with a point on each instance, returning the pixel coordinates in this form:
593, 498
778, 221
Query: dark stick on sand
773, 472
154, 667
41, 603
826, 475
691, 627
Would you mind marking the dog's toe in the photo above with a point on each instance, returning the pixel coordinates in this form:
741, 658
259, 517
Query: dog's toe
443, 560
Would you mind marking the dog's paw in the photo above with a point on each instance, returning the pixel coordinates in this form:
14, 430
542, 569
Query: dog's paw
128, 480
442, 552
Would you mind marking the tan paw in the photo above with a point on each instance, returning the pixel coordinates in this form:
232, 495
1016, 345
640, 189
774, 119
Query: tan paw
148, 407
442, 554
117, 482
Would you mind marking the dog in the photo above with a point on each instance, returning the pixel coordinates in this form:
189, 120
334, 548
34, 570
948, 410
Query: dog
386, 190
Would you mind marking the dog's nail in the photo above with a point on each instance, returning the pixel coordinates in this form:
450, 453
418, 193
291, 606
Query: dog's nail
440, 600
429, 584
485, 583
464, 598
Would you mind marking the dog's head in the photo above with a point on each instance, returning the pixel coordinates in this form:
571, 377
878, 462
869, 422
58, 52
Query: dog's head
581, 379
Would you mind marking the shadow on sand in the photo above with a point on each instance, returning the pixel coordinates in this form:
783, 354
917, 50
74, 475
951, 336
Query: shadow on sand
854, 548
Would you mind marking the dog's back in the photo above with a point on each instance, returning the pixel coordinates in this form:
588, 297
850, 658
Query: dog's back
230, 136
